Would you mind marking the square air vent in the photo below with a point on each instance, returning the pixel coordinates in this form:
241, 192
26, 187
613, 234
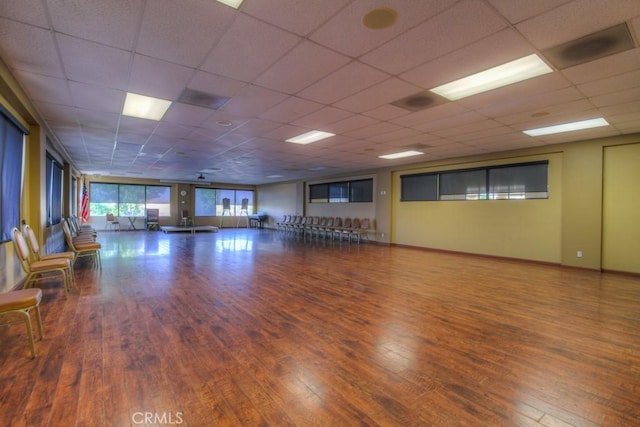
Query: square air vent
419, 101
202, 99
591, 47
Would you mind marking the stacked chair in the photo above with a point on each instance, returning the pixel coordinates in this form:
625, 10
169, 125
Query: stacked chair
37, 269
82, 242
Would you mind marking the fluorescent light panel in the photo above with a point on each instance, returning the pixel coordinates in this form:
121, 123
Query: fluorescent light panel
233, 3
401, 155
309, 137
567, 127
493, 78
145, 107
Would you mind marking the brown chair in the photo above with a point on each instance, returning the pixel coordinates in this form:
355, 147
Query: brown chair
112, 222
361, 231
35, 270
21, 303
32, 242
83, 248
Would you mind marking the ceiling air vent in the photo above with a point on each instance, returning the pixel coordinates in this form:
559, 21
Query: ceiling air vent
418, 146
591, 47
419, 101
202, 99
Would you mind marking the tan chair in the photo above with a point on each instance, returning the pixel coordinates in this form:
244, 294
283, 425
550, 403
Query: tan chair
32, 242
153, 219
185, 219
112, 223
361, 231
21, 303
83, 248
35, 270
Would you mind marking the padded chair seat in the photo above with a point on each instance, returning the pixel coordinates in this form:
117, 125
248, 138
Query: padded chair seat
20, 300
47, 265
58, 255
87, 245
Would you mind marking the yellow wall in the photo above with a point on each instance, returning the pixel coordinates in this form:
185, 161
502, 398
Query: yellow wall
621, 208
527, 229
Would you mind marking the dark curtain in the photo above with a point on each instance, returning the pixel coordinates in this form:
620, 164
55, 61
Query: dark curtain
11, 151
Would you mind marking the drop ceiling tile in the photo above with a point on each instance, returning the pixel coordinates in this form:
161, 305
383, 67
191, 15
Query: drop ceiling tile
93, 119
182, 35
531, 104
256, 127
45, 88
214, 84
375, 96
298, 17
321, 118
417, 141
613, 98
606, 67
350, 123
253, 100
352, 78
431, 114
517, 93
185, 114
399, 133
474, 128
27, 11
549, 112
496, 49
386, 112
304, 65
617, 83
97, 98
29, 48
576, 19
346, 33
88, 62
629, 107
451, 121
374, 130
55, 113
111, 23
157, 78
290, 110
261, 45
519, 11
462, 24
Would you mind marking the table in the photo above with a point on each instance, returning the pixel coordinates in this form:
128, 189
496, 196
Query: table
132, 222
259, 219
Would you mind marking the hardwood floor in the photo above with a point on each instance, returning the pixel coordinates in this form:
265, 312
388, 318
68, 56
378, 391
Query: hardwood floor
250, 328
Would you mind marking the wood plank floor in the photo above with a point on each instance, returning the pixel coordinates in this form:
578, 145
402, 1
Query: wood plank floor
250, 328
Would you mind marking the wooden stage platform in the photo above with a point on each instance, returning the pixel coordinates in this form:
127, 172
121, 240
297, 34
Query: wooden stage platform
191, 229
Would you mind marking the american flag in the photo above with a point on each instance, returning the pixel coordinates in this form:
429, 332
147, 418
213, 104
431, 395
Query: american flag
84, 207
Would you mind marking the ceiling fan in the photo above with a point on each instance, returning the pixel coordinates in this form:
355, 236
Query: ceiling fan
201, 176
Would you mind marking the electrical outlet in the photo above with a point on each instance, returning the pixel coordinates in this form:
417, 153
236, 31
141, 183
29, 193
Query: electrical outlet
579, 254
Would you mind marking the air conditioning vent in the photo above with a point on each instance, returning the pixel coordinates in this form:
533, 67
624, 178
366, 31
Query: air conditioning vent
591, 47
419, 101
202, 99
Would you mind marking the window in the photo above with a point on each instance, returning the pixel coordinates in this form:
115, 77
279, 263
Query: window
54, 171
205, 201
210, 202
342, 192
419, 187
467, 184
518, 181
11, 150
128, 199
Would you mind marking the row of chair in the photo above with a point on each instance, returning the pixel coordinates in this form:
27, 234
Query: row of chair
37, 266
326, 227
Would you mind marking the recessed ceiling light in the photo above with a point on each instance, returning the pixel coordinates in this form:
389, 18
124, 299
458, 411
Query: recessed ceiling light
309, 137
145, 107
225, 123
380, 18
493, 78
567, 127
275, 176
233, 3
401, 155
